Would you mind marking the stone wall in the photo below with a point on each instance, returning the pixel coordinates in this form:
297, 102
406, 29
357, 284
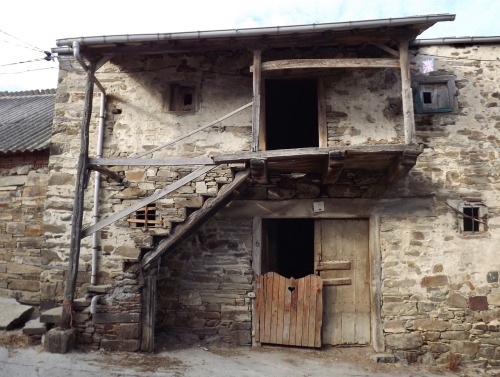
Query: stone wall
203, 286
441, 293
23, 185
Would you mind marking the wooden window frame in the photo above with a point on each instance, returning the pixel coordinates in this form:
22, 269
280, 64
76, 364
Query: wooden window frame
178, 93
481, 220
427, 84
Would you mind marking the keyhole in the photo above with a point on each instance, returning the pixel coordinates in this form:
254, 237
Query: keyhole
291, 289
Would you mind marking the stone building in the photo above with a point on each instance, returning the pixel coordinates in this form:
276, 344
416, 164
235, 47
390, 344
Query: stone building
311, 185
25, 130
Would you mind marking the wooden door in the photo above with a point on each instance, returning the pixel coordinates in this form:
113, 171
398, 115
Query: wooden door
342, 261
289, 310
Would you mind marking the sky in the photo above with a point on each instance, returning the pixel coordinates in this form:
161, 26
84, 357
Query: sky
30, 27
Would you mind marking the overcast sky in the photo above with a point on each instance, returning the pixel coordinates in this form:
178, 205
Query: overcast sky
40, 23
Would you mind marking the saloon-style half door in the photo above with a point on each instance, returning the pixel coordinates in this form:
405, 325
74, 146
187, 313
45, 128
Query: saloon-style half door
342, 261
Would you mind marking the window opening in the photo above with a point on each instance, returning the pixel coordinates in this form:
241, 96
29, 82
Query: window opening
434, 94
145, 217
472, 216
182, 98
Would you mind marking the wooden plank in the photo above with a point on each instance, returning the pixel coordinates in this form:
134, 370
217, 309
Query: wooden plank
328, 63
268, 313
111, 174
76, 225
280, 310
334, 265
319, 312
144, 202
300, 312
275, 308
339, 208
333, 167
402, 166
407, 95
322, 122
257, 83
257, 314
337, 281
148, 314
386, 49
362, 304
192, 132
198, 218
305, 312
313, 297
286, 311
294, 298
95, 163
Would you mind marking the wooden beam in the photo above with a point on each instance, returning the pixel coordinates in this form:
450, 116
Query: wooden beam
337, 281
333, 167
198, 218
144, 202
402, 165
168, 161
258, 170
257, 83
335, 265
329, 63
76, 225
337, 208
407, 95
111, 174
148, 312
386, 49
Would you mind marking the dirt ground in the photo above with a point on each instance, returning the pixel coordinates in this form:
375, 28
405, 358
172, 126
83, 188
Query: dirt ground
19, 356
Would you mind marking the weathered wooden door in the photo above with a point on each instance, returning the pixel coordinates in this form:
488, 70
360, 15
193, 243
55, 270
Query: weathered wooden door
290, 310
342, 260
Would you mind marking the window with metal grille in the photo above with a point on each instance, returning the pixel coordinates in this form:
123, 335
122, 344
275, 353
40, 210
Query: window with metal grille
145, 217
473, 217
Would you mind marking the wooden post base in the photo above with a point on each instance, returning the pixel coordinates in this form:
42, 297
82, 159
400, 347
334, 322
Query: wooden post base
59, 340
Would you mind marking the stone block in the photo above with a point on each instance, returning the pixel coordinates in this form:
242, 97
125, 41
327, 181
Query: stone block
35, 327
136, 175
404, 341
434, 281
13, 313
492, 277
456, 300
127, 331
430, 325
395, 327
116, 317
385, 358
464, 348
128, 345
455, 335
59, 340
25, 285
478, 303
52, 315
241, 337
494, 299
13, 180
438, 347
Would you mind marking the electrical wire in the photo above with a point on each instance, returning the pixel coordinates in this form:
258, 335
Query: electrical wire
26, 43
26, 61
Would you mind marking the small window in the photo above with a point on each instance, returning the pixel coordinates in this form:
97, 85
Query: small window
434, 94
145, 218
183, 98
473, 217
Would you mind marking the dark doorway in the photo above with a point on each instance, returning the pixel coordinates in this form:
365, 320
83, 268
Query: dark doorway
291, 114
288, 247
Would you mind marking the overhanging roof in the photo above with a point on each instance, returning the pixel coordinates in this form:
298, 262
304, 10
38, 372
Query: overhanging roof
351, 32
26, 120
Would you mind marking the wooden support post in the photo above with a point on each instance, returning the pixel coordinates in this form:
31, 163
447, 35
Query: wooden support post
407, 95
148, 312
402, 165
333, 167
257, 82
76, 226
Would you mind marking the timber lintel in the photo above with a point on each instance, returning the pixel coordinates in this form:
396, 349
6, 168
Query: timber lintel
334, 167
329, 63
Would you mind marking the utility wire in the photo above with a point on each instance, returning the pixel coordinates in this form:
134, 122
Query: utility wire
26, 61
29, 44
28, 70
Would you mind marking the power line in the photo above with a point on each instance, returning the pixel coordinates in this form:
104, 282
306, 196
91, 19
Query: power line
20, 40
28, 70
26, 61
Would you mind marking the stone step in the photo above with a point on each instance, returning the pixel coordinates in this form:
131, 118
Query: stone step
13, 314
51, 316
35, 327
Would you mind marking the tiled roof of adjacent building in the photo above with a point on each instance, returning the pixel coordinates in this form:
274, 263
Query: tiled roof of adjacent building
26, 120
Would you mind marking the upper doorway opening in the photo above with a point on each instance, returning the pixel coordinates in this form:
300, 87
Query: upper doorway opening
288, 247
291, 113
